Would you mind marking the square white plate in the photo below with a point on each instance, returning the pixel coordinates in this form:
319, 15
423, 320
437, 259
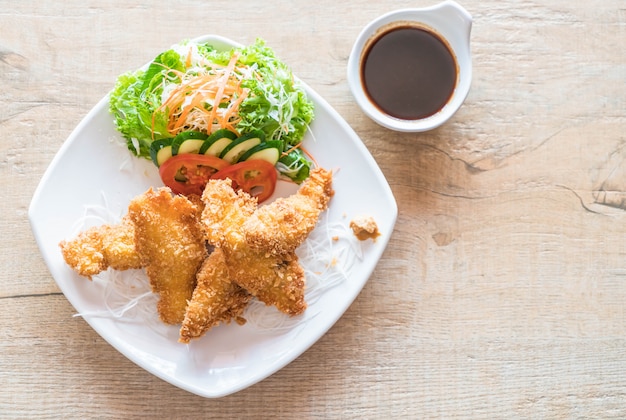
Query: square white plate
92, 179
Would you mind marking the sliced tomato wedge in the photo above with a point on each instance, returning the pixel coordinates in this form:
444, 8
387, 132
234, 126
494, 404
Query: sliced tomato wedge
188, 173
256, 177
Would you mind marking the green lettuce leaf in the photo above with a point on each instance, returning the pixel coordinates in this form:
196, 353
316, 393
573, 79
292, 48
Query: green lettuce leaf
277, 103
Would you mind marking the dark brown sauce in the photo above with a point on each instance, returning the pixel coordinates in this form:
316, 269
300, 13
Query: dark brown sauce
408, 72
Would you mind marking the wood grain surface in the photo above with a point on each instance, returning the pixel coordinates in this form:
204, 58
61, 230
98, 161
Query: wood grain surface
502, 291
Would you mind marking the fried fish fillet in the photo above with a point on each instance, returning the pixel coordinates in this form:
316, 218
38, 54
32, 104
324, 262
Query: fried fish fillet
215, 299
171, 246
225, 212
281, 226
274, 279
100, 247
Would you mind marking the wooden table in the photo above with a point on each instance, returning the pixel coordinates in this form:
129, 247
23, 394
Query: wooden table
502, 291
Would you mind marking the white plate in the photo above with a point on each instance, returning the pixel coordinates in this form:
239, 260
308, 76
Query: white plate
92, 179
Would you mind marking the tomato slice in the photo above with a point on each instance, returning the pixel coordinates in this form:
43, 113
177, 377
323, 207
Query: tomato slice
188, 173
256, 177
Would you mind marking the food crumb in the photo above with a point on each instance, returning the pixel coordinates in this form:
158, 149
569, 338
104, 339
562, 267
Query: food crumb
364, 228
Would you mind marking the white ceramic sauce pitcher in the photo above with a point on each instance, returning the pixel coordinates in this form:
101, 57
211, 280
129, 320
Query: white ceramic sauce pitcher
453, 24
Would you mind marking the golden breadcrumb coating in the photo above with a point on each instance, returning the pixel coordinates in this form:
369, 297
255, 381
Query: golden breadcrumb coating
281, 226
225, 211
364, 228
100, 247
171, 246
274, 280
266, 267
215, 299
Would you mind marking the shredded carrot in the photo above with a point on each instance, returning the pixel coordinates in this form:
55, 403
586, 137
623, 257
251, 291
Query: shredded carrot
305, 151
195, 103
220, 91
301, 147
189, 55
291, 149
230, 111
309, 155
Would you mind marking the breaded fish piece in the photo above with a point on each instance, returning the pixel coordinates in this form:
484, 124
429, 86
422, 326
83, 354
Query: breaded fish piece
225, 211
215, 299
281, 226
171, 246
100, 247
274, 279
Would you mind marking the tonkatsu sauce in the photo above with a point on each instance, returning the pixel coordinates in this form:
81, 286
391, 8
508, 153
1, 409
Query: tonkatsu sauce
408, 72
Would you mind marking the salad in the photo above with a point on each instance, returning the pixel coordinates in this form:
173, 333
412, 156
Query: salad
199, 113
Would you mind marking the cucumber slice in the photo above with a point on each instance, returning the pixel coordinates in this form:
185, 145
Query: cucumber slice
216, 148
268, 151
164, 154
188, 146
238, 147
218, 136
188, 142
160, 151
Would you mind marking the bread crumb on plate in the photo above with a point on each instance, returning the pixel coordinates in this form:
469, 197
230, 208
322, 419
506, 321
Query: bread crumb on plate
364, 228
